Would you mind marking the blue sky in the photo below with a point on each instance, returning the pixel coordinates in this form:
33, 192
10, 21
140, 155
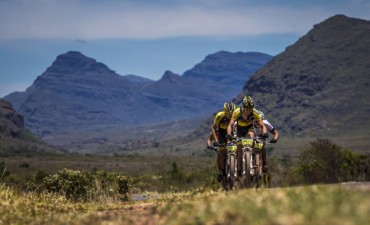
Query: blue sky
148, 37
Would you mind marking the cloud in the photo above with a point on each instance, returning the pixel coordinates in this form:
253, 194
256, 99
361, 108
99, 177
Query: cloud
88, 20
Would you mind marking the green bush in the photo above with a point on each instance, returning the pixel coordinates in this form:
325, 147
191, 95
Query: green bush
326, 162
321, 162
88, 186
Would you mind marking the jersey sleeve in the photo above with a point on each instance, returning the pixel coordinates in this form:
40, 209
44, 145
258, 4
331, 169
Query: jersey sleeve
218, 118
236, 114
256, 115
268, 125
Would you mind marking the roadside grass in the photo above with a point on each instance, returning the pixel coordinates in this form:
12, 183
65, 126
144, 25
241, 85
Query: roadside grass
318, 204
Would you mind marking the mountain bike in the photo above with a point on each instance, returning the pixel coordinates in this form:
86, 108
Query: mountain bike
231, 167
252, 161
228, 181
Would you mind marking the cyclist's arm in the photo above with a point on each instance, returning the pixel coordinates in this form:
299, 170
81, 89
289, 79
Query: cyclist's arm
209, 139
275, 133
214, 133
230, 126
272, 129
263, 127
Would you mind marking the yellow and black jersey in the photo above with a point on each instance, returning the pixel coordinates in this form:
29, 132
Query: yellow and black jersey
221, 121
243, 122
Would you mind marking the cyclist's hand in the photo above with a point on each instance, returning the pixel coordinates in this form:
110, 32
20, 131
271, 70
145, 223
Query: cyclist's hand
228, 137
265, 135
215, 144
273, 140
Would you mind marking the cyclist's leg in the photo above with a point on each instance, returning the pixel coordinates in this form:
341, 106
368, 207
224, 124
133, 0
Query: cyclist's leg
221, 154
264, 159
241, 132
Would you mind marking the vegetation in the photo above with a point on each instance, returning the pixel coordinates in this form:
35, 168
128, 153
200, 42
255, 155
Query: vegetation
301, 205
332, 204
88, 186
38, 189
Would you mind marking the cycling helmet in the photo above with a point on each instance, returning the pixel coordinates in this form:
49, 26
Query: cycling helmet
229, 107
248, 102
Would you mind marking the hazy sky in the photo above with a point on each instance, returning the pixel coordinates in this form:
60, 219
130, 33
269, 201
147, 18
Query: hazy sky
148, 37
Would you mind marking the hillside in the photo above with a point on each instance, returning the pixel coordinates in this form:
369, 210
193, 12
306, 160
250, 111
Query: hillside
14, 138
319, 86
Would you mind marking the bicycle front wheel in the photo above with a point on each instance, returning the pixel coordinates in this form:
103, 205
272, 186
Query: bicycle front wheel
247, 168
230, 172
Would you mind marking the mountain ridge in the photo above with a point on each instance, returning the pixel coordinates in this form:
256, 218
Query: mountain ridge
77, 92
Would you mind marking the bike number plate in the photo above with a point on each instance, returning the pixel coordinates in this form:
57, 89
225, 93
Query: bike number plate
259, 146
247, 142
231, 148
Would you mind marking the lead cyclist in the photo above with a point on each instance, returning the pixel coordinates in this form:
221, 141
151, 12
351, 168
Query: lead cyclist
244, 116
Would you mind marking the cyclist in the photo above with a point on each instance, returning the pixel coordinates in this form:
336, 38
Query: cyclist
245, 115
258, 132
219, 127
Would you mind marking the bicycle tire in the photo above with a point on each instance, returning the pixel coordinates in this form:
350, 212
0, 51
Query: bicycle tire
247, 169
258, 173
230, 172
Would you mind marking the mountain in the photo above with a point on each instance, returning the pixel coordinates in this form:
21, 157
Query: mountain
14, 137
77, 93
318, 86
230, 69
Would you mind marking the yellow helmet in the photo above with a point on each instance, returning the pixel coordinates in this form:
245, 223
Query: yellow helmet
229, 107
248, 102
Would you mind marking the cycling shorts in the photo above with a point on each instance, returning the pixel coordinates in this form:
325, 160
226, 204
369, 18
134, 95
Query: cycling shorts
243, 131
221, 136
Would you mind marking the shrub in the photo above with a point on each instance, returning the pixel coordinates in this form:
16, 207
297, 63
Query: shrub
326, 162
88, 186
321, 162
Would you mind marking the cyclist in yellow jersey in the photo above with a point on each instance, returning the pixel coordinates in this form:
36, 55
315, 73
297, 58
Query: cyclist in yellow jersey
245, 116
219, 130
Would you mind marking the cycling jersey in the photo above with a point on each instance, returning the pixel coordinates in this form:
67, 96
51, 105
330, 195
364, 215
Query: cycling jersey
221, 120
243, 122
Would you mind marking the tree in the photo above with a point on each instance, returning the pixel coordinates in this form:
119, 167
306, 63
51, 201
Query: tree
322, 162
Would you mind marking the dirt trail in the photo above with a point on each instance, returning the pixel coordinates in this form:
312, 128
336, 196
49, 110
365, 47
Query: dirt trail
363, 186
141, 213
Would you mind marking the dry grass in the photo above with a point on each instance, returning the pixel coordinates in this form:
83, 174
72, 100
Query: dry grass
322, 204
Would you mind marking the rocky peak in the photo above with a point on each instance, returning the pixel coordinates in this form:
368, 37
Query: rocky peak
73, 61
170, 76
